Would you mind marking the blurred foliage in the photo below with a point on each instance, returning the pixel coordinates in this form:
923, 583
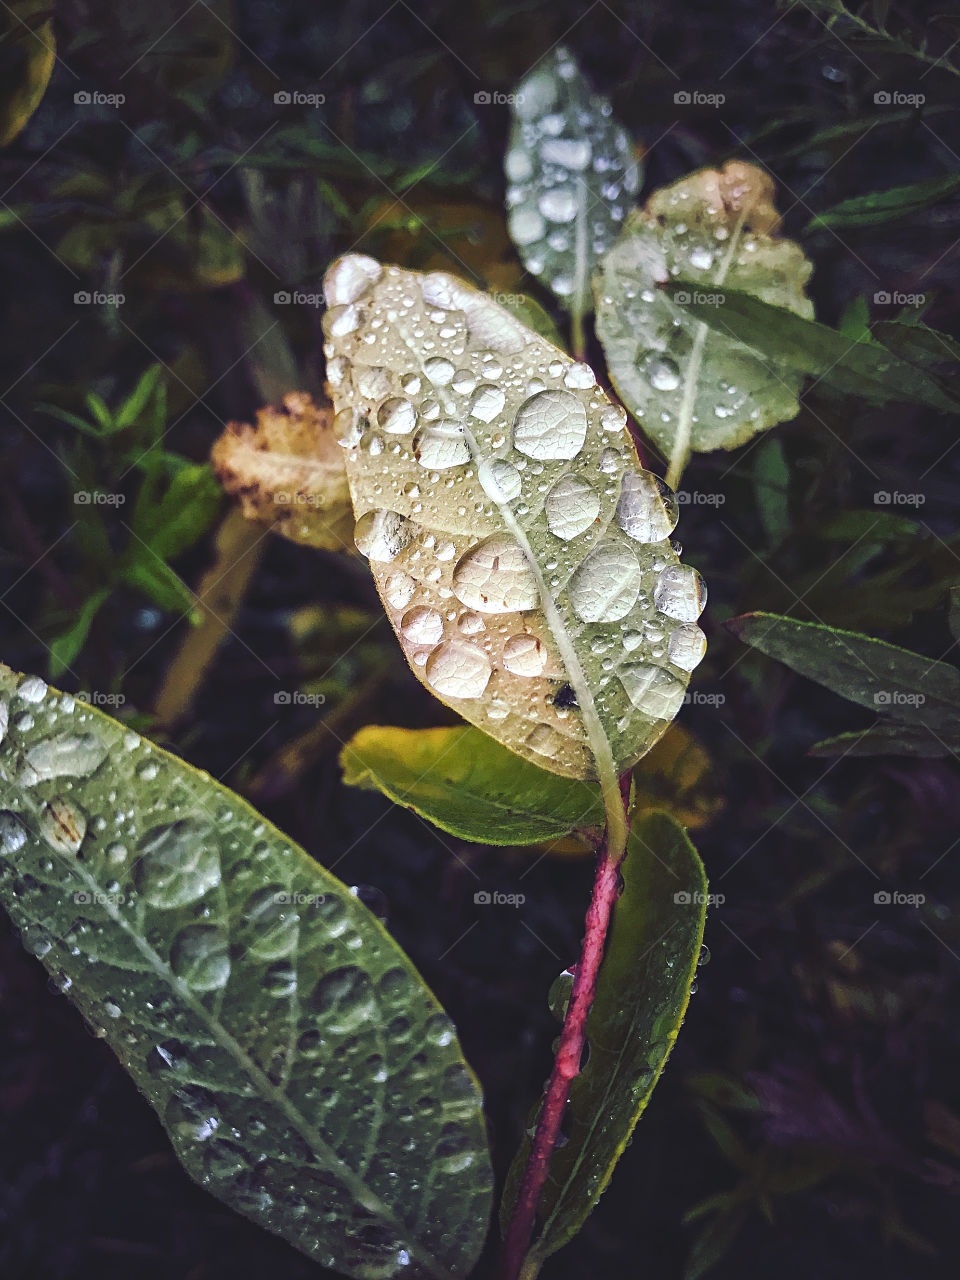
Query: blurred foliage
199, 199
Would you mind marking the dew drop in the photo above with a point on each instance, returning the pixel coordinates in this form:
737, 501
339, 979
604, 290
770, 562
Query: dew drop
606, 585
457, 669
647, 510
571, 507
494, 577
550, 425
382, 535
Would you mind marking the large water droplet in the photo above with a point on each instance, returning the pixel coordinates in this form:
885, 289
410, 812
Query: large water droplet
686, 646
661, 372
63, 826
421, 625
571, 507
457, 669
399, 590
486, 402
606, 585
549, 425
495, 577
438, 370
570, 153
343, 1001
397, 416
500, 480
177, 863
200, 957
525, 655
526, 224
441, 445
652, 690
74, 755
680, 593
271, 923
382, 535
349, 277
647, 510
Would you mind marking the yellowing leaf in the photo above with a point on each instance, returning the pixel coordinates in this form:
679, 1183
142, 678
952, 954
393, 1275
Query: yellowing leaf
34, 51
571, 176
521, 553
692, 388
288, 473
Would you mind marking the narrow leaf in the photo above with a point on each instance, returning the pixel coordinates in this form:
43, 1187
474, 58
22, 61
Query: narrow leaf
865, 670
887, 740
521, 553
920, 345
798, 346
469, 785
877, 207
304, 1073
65, 647
642, 996
289, 473
571, 176
694, 388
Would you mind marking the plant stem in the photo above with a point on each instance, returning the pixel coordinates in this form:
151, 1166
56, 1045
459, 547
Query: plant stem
578, 342
516, 1265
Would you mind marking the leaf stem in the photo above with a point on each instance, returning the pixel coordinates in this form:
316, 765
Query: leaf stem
516, 1263
578, 343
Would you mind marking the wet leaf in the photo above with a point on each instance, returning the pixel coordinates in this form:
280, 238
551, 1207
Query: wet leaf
920, 345
289, 473
469, 785
642, 996
692, 388
798, 346
892, 681
521, 553
571, 177
273, 1024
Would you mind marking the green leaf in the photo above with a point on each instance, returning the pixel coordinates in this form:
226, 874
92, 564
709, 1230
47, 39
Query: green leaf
795, 345
137, 401
865, 670
855, 321
469, 785
771, 478
65, 647
157, 581
691, 387
642, 996
571, 177
529, 312
920, 345
188, 507
877, 207
304, 1073
885, 740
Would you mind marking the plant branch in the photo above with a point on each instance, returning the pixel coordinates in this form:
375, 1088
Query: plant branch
516, 1265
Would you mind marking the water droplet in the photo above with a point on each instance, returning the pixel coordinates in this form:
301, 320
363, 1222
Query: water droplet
441, 445
487, 402
349, 277
340, 321
374, 899
701, 257
438, 371
495, 577
464, 380
343, 1001
271, 923
399, 590
613, 418
500, 480
680, 593
550, 425
199, 956
526, 225
661, 372
559, 204
606, 585
569, 153
397, 416
686, 646
421, 625
652, 690
647, 510
545, 741
177, 863
579, 375
571, 507
32, 689
382, 535
68, 755
63, 826
457, 669
525, 655
36, 940
12, 834
192, 1115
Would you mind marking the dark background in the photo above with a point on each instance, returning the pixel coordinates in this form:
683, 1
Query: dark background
814, 1086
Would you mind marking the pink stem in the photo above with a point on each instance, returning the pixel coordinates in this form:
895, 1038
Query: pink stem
569, 1054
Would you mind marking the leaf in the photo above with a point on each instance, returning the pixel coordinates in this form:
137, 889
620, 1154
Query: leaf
877, 207
520, 552
182, 515
855, 321
884, 740
771, 477
136, 403
469, 785
795, 345
642, 995
29, 55
65, 647
692, 388
953, 612
304, 1073
529, 312
915, 689
571, 177
157, 581
289, 473
920, 345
